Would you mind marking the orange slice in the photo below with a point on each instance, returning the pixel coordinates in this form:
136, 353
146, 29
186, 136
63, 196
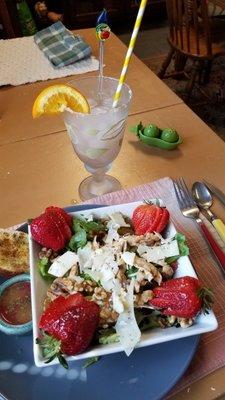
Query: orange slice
56, 98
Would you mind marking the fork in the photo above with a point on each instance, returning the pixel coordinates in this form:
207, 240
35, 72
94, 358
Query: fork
189, 209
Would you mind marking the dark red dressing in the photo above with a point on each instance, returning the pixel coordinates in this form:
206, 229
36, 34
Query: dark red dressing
15, 304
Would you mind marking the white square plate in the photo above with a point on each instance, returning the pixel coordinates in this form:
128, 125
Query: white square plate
204, 323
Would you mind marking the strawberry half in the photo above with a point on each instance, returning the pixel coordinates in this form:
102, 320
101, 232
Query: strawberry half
182, 297
149, 218
45, 231
70, 323
61, 223
59, 211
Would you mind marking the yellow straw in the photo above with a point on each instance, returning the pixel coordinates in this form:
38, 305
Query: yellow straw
129, 51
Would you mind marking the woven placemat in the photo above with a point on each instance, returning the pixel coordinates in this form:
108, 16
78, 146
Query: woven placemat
23, 62
211, 350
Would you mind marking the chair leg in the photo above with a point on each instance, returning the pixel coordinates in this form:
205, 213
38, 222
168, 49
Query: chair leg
207, 71
166, 64
191, 82
180, 62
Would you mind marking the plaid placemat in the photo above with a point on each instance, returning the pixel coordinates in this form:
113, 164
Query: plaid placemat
60, 46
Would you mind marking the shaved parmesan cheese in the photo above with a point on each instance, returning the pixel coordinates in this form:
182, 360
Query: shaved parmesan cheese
118, 219
126, 327
157, 253
162, 239
117, 303
63, 264
128, 257
108, 285
112, 232
84, 256
118, 297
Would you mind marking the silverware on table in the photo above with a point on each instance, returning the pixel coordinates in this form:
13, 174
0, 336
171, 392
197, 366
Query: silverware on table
189, 209
203, 198
217, 192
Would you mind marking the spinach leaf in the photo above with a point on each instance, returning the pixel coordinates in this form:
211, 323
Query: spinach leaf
87, 225
92, 226
131, 272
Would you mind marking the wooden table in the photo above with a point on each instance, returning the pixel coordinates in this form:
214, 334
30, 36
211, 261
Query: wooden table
38, 166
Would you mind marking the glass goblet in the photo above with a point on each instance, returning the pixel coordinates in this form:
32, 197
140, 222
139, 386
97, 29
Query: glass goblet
97, 137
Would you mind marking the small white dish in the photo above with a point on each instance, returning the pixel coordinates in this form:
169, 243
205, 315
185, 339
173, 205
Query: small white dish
204, 323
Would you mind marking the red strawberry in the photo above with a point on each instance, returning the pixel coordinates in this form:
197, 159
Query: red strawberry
182, 283
45, 231
149, 218
60, 222
68, 219
182, 297
71, 323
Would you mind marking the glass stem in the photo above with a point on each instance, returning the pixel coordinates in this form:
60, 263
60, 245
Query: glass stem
99, 174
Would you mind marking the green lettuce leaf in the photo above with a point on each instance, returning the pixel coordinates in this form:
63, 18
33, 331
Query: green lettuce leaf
78, 240
43, 267
91, 361
108, 336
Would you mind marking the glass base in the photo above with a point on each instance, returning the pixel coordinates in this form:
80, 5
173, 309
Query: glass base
90, 188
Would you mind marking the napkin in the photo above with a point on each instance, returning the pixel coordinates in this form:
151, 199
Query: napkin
60, 46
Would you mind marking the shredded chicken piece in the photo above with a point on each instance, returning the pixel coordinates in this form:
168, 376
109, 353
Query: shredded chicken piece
185, 322
95, 244
66, 286
143, 298
60, 287
167, 271
121, 276
119, 246
74, 272
149, 239
149, 268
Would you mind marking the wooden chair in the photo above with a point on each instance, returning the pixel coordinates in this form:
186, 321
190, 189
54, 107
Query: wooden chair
193, 35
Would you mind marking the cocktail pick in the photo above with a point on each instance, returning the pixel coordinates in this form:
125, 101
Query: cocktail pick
102, 32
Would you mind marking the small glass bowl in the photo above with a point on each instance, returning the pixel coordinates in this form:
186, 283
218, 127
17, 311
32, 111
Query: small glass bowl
11, 329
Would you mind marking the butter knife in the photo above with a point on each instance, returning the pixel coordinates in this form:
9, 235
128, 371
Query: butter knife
217, 192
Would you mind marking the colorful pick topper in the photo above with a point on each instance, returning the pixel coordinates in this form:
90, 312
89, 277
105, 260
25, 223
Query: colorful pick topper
102, 28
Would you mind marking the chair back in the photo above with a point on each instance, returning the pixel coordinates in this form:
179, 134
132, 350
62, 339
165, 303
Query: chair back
189, 27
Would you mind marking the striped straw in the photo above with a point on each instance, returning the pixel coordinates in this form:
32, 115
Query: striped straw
129, 51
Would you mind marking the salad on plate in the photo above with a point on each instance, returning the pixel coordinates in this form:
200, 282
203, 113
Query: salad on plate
109, 277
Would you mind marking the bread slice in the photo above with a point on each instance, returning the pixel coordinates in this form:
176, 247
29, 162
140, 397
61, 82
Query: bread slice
14, 253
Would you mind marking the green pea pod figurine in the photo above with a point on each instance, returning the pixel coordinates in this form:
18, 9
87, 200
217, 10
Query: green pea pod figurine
167, 139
